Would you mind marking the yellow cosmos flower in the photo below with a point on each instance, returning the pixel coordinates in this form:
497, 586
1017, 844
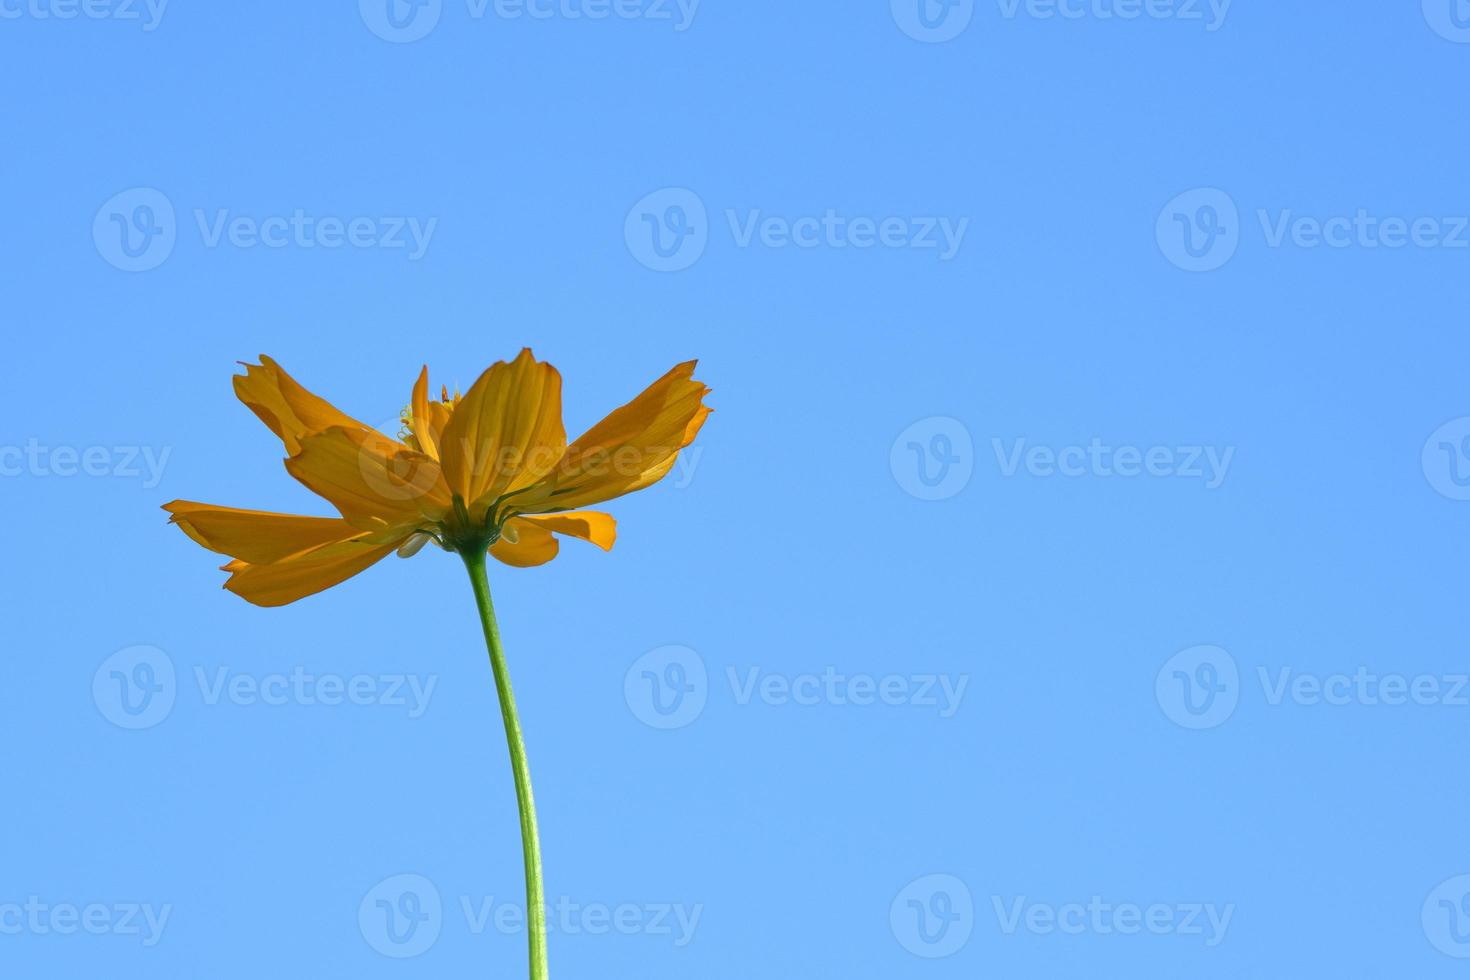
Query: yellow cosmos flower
491, 469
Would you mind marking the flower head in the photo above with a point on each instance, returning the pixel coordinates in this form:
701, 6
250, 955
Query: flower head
489, 469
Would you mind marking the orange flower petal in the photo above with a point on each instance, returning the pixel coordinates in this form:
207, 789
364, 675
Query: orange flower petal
308, 573
289, 410
532, 546
422, 425
255, 535
589, 525
529, 541
632, 448
505, 433
372, 489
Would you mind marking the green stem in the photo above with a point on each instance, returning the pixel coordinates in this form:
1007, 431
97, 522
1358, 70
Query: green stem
474, 560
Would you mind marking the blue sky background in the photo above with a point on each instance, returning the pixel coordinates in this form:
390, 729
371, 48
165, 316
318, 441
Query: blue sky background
798, 540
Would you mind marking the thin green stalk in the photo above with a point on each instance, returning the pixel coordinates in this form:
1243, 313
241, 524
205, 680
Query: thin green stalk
474, 560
